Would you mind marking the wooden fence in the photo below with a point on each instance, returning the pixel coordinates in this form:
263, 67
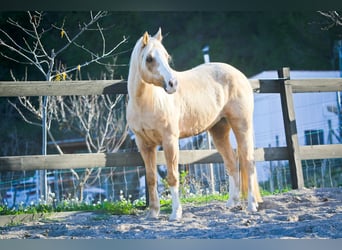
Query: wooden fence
283, 86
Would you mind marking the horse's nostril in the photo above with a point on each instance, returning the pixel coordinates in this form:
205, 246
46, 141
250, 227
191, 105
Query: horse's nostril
173, 83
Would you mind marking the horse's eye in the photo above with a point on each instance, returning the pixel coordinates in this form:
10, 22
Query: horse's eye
149, 59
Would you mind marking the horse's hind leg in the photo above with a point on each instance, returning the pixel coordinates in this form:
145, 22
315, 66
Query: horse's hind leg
243, 130
148, 154
220, 135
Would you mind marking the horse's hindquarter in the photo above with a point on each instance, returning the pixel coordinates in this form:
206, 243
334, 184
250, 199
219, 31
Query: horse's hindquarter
205, 92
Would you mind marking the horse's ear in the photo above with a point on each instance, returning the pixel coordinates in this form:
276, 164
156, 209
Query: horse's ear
159, 35
145, 38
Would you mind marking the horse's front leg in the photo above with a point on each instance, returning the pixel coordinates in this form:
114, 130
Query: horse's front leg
149, 155
171, 151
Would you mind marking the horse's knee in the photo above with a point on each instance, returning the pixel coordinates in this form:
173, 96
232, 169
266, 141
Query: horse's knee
172, 179
151, 181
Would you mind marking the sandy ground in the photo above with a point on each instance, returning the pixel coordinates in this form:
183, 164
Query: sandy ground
308, 213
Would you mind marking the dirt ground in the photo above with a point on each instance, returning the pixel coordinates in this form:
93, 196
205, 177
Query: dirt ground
308, 213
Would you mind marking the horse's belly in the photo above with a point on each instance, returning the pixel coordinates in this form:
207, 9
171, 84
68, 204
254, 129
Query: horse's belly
201, 111
196, 125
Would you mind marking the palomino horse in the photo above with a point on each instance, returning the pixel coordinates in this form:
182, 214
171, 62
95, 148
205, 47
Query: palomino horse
165, 105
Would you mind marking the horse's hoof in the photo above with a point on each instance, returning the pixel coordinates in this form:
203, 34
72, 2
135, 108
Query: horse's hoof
252, 207
152, 214
176, 216
232, 203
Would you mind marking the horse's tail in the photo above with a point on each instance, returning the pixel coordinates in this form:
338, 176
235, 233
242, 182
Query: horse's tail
244, 175
243, 179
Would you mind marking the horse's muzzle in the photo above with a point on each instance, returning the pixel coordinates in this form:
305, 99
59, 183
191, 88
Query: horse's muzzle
171, 86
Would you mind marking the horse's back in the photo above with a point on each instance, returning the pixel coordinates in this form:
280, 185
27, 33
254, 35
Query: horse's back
223, 73
224, 79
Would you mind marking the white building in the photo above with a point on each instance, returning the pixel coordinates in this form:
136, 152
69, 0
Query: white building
311, 110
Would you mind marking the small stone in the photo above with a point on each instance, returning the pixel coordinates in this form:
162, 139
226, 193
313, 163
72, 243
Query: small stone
292, 218
247, 223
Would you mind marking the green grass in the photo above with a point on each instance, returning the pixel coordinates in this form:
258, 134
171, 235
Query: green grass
266, 193
122, 207
166, 206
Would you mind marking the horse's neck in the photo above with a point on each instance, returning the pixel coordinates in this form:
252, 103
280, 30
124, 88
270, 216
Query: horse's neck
145, 98
139, 92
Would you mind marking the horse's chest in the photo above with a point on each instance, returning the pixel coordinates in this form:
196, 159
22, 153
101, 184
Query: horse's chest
150, 135
146, 128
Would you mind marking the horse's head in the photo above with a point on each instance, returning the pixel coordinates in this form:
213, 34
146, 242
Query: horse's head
154, 66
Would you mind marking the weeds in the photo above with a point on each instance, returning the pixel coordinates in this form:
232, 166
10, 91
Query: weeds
125, 206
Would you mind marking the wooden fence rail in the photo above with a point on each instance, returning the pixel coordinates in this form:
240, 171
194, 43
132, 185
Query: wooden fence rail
97, 87
124, 159
283, 86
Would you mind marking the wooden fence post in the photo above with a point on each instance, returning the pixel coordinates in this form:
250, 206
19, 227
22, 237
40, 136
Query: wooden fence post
291, 130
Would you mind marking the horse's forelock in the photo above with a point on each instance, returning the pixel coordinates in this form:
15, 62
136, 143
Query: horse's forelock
141, 51
138, 56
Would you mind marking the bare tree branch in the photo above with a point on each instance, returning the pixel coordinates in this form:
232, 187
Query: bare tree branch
334, 19
36, 54
99, 15
20, 51
95, 118
37, 36
22, 115
95, 57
